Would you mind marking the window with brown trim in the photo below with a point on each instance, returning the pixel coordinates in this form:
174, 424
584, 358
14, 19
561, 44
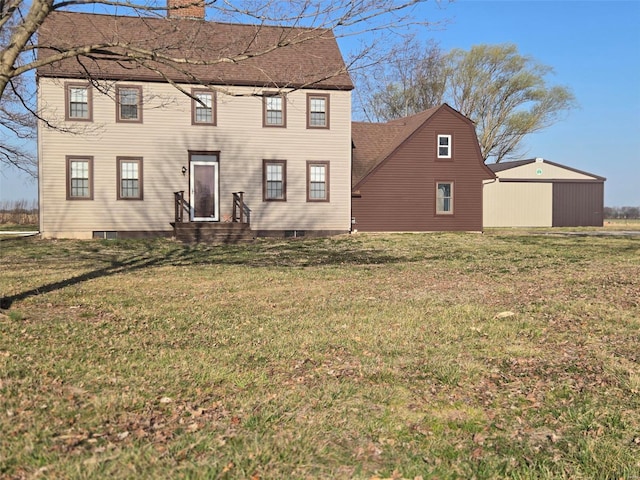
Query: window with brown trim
274, 180
444, 198
317, 181
444, 146
203, 107
129, 104
129, 178
317, 110
274, 110
79, 178
78, 102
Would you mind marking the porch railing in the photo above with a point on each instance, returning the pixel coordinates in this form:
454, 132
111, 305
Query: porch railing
238, 208
182, 207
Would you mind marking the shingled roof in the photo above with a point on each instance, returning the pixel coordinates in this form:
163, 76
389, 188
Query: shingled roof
498, 167
303, 58
374, 142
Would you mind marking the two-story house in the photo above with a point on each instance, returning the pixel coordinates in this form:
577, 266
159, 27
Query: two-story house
131, 144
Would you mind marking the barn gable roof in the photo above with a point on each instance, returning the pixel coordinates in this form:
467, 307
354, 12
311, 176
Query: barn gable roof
502, 166
374, 143
303, 57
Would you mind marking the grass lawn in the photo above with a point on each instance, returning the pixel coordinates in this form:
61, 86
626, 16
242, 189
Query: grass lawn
504, 355
622, 224
18, 227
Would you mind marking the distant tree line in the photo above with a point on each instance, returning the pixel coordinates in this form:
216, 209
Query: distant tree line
622, 212
19, 212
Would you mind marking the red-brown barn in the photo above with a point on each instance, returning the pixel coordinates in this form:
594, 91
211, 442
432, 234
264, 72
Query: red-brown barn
419, 173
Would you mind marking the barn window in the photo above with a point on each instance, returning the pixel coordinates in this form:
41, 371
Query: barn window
444, 146
444, 198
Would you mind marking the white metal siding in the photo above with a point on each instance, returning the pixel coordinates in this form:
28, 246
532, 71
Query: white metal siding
518, 204
542, 171
163, 141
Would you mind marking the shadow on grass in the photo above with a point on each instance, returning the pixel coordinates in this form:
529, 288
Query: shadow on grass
130, 256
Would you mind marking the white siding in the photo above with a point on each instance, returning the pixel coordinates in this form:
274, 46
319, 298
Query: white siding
163, 141
517, 204
542, 171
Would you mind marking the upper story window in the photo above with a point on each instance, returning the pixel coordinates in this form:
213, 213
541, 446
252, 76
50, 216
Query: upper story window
129, 178
274, 186
129, 104
444, 198
317, 111
274, 111
317, 181
444, 146
79, 178
203, 107
78, 102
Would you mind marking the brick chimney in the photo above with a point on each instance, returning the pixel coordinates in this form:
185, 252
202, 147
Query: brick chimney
185, 9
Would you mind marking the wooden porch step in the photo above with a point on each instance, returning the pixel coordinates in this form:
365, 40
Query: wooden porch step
213, 232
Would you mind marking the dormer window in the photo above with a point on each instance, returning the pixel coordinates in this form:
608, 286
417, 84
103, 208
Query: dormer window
444, 146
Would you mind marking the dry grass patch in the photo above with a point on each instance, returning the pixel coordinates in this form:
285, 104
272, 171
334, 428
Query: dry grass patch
352, 357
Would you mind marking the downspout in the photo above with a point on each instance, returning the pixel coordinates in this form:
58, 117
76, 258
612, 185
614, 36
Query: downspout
351, 222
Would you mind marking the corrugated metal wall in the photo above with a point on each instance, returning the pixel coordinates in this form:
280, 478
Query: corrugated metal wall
518, 204
578, 204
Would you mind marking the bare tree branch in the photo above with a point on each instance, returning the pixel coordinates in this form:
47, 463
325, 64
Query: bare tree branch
175, 62
504, 93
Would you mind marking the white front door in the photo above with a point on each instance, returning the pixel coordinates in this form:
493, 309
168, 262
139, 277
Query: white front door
204, 189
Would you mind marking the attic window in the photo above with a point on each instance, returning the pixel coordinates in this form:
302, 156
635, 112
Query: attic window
444, 146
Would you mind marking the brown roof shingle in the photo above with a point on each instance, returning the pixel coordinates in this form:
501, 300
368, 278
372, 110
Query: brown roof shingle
374, 142
304, 57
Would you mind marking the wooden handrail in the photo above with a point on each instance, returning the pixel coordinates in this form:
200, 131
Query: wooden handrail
180, 206
238, 207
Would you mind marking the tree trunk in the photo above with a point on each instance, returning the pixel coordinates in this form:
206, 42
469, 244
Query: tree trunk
19, 38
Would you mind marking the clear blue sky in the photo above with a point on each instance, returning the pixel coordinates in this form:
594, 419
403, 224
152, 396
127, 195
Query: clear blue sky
594, 48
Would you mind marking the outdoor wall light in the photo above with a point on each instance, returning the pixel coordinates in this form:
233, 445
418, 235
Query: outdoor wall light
184, 170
